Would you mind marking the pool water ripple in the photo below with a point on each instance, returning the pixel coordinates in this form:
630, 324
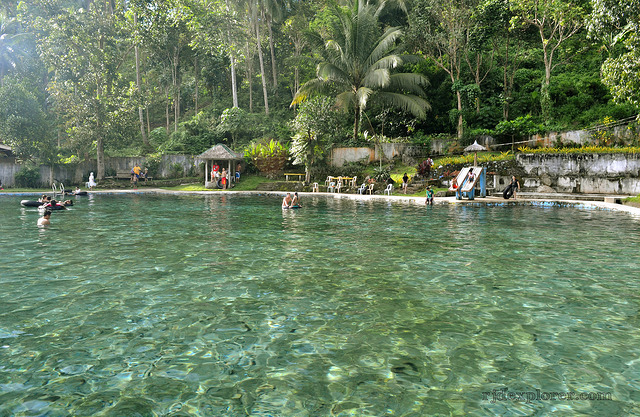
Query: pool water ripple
224, 305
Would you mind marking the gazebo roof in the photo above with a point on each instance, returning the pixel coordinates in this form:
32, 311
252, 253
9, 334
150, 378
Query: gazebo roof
475, 147
5, 150
220, 152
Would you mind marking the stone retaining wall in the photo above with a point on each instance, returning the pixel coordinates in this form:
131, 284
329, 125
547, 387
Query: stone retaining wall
78, 173
582, 173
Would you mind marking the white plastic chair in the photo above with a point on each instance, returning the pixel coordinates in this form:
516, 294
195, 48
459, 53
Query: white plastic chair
339, 185
388, 189
371, 188
362, 188
327, 181
316, 188
354, 182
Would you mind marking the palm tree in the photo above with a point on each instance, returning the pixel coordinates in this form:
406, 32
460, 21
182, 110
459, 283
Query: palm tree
361, 63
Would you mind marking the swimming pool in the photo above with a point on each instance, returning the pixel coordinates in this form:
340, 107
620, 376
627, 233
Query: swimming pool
229, 306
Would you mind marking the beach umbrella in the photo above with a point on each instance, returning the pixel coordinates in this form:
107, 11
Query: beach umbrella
475, 148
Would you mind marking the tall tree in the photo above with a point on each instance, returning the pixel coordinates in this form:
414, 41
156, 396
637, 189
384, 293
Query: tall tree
24, 125
255, 13
11, 50
84, 48
361, 62
216, 30
617, 25
441, 31
556, 21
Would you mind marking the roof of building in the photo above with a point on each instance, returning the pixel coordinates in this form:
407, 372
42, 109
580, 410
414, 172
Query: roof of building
220, 152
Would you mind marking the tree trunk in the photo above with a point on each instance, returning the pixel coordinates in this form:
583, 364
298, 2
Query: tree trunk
460, 125
167, 109
176, 85
273, 56
356, 123
262, 73
100, 157
234, 88
250, 76
195, 72
143, 131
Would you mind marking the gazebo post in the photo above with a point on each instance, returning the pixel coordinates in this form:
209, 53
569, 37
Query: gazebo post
206, 172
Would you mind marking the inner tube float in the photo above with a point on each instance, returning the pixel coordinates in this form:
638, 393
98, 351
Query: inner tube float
292, 207
508, 192
80, 193
57, 206
31, 203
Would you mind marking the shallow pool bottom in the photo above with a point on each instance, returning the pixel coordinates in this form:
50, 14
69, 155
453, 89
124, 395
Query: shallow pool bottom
226, 305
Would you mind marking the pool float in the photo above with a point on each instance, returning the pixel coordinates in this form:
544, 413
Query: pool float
31, 203
292, 207
80, 193
508, 192
57, 206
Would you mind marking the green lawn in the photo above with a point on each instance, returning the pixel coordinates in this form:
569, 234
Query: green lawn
27, 190
247, 183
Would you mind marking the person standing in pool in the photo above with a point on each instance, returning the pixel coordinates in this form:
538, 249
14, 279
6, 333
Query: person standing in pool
515, 186
429, 200
295, 201
286, 201
44, 220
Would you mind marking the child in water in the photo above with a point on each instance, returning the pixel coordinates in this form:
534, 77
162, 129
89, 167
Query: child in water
429, 200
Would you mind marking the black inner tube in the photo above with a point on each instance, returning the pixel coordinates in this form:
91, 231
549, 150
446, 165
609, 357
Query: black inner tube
508, 192
31, 203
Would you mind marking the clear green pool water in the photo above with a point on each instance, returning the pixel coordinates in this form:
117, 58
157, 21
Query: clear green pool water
228, 306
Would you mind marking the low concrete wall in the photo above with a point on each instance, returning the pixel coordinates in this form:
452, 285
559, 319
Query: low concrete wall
8, 169
409, 153
77, 173
582, 173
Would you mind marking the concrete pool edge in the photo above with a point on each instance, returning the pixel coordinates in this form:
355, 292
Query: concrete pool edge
487, 201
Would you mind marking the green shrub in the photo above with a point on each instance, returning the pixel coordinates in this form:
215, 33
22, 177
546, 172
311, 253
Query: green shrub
152, 163
28, 177
176, 170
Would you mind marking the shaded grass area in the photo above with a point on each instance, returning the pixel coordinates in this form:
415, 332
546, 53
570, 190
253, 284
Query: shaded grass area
247, 183
27, 190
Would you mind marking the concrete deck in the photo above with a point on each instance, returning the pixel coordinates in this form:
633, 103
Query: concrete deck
534, 199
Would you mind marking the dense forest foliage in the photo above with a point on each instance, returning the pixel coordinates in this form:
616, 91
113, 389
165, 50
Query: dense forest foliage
88, 78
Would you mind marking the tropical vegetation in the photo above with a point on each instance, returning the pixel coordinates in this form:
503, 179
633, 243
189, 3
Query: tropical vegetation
97, 78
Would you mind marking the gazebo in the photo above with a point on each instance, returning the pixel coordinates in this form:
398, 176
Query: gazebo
475, 147
219, 153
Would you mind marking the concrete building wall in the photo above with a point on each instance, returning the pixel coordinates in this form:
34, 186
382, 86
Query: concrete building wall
78, 173
8, 168
409, 153
582, 173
